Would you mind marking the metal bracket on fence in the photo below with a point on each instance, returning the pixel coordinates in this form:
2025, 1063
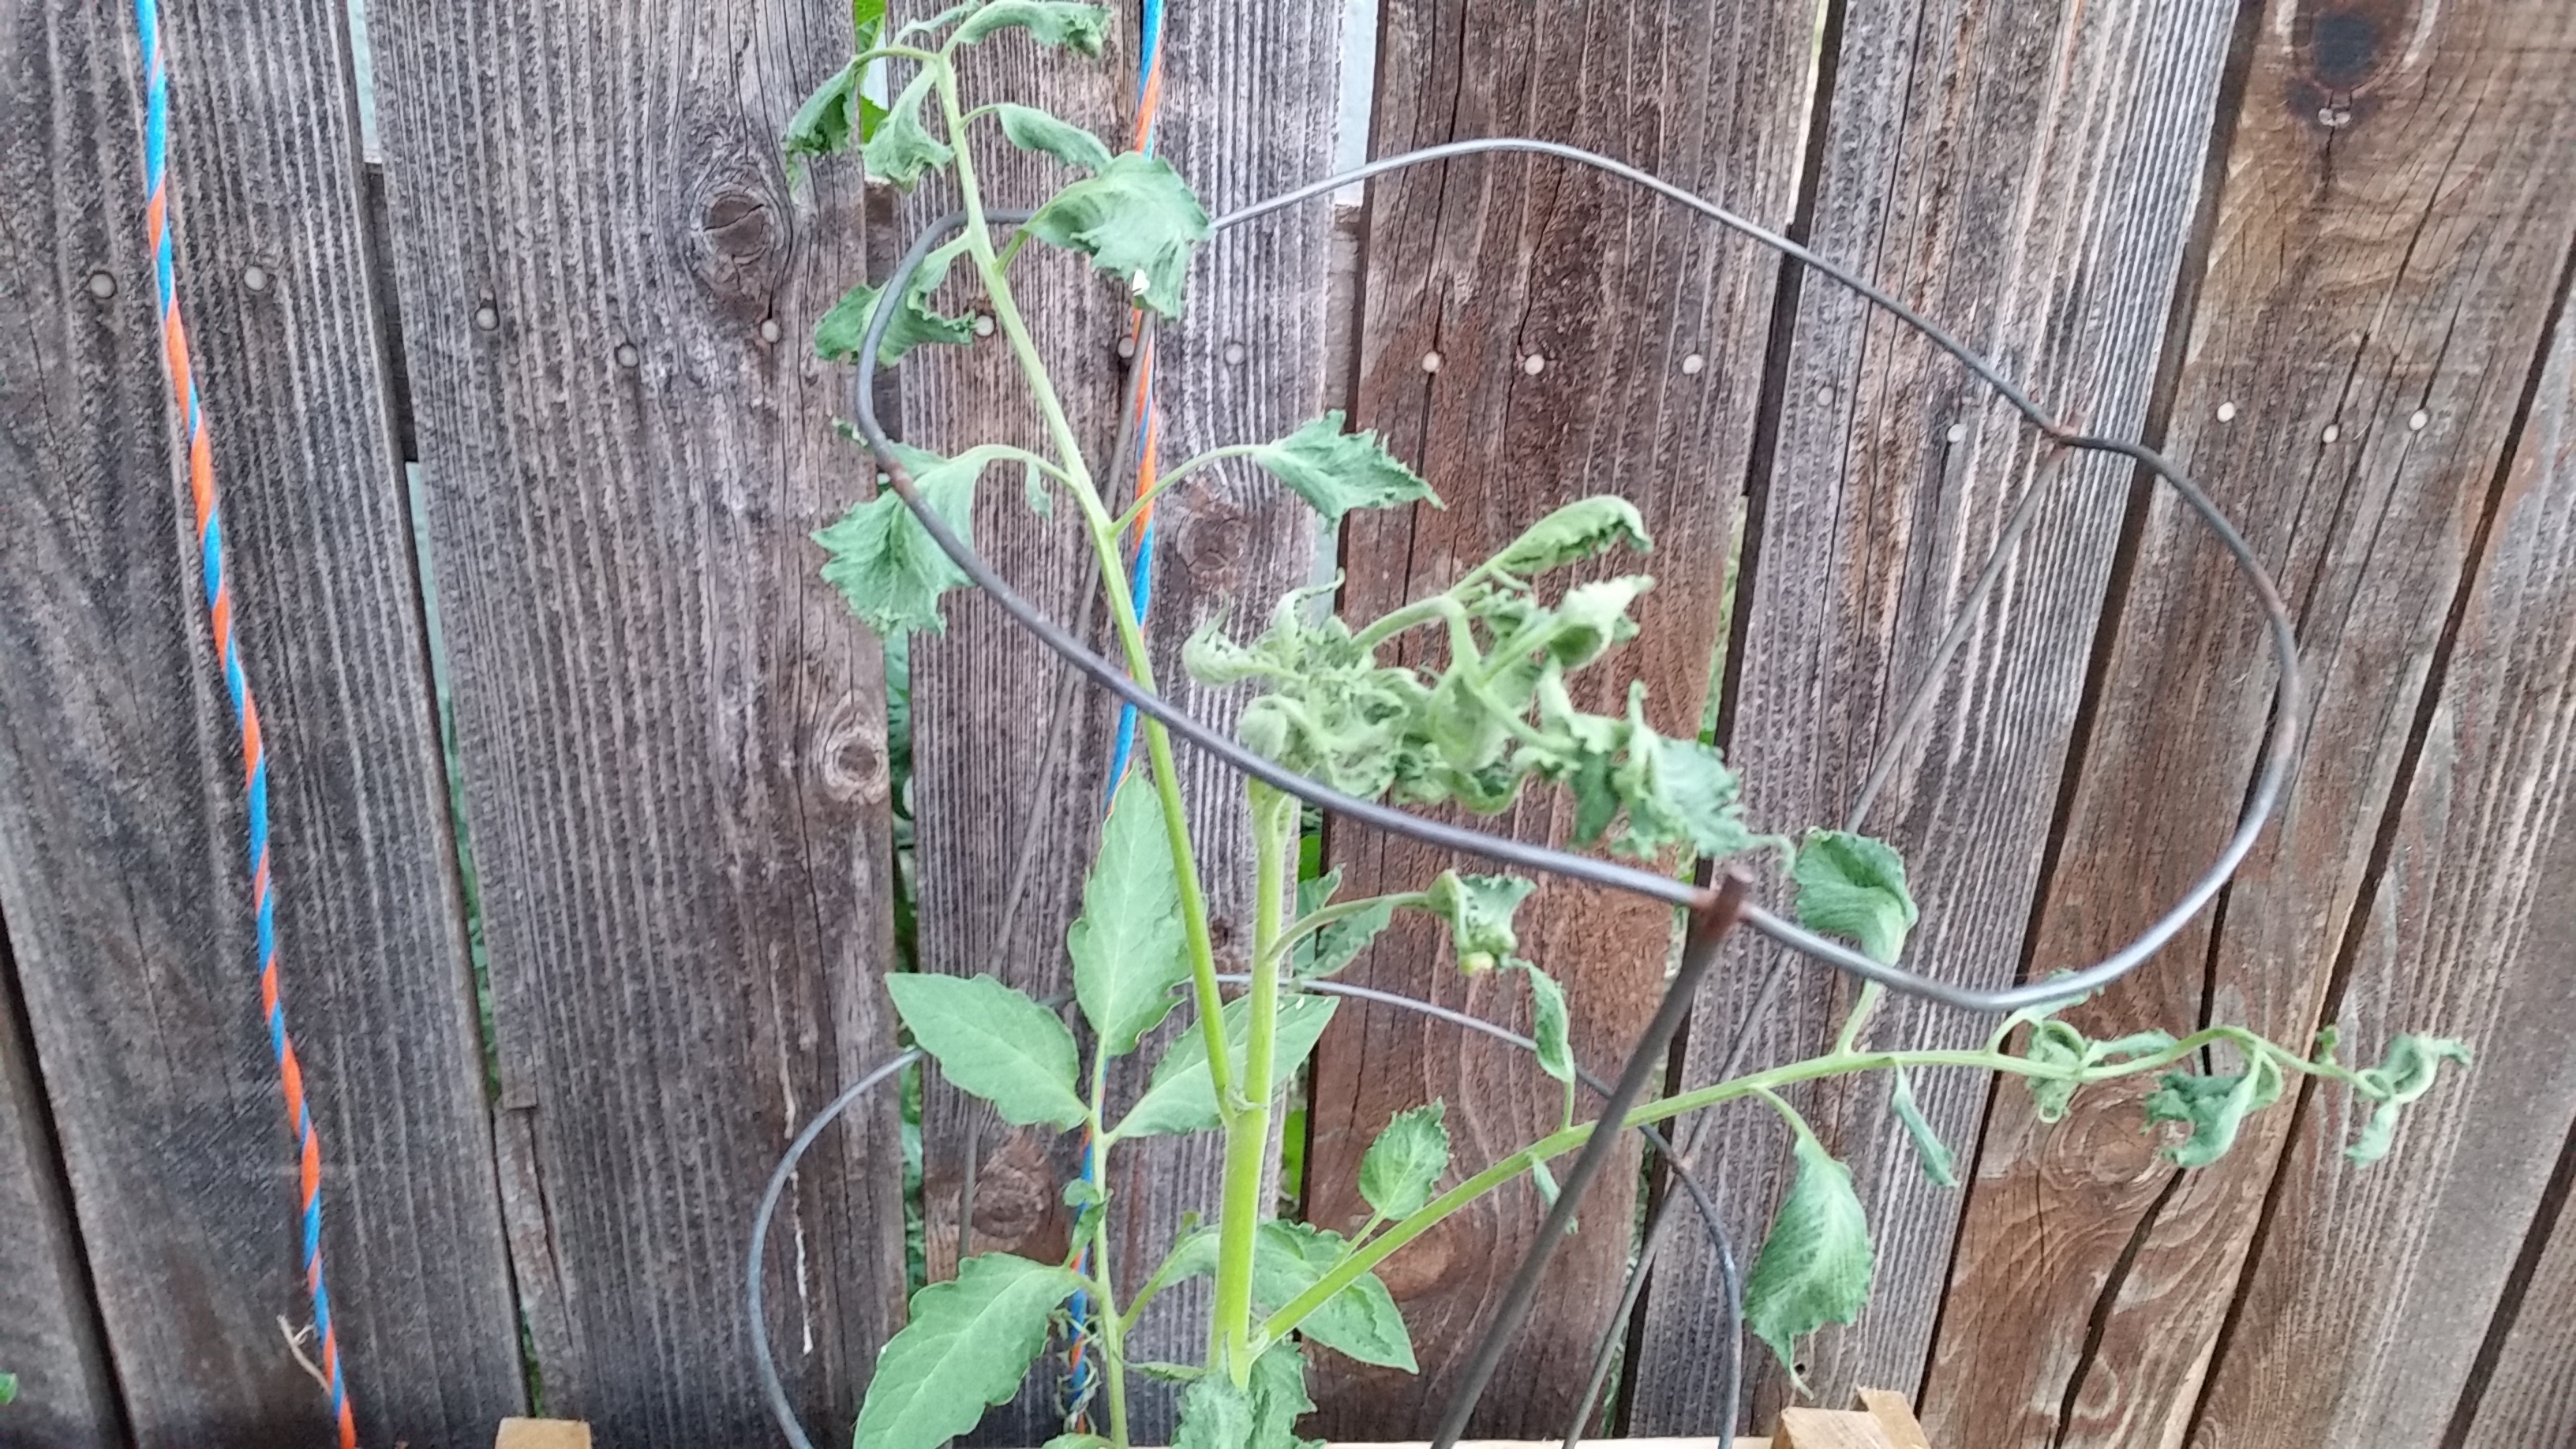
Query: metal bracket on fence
1719, 902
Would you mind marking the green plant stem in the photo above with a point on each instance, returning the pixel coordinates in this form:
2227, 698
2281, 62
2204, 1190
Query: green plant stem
1870, 992
1112, 1328
1322, 916
1377, 1249
1247, 1133
1208, 459
1113, 578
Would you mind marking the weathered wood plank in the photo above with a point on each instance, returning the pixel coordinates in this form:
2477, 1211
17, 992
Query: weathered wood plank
120, 790
1895, 478
2371, 1287
983, 692
1647, 330
49, 1332
2383, 258
671, 731
1249, 89
2529, 1396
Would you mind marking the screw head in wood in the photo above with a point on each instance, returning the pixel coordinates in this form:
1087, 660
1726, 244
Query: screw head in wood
102, 285
1693, 365
627, 356
255, 277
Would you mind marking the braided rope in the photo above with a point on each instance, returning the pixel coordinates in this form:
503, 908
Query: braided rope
219, 608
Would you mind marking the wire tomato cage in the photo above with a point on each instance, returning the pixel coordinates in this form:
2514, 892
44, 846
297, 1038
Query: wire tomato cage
1715, 906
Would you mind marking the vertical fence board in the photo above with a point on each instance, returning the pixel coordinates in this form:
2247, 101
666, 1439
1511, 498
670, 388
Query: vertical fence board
982, 691
2371, 1286
671, 731
2530, 1395
1248, 102
120, 777
49, 1333
2380, 269
1896, 472
1490, 263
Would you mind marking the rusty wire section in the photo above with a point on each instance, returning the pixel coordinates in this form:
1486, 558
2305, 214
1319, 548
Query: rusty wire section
1715, 905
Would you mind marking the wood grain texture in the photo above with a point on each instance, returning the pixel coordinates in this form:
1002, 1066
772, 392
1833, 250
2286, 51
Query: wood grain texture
49, 1331
121, 868
1249, 90
1894, 480
2382, 261
671, 732
982, 692
2529, 1396
2371, 1288
1489, 263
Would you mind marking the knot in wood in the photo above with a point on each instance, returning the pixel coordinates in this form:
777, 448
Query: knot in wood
736, 243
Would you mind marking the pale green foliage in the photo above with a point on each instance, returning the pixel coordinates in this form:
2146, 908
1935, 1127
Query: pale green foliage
1851, 885
1578, 531
834, 116
1181, 1097
1334, 946
1550, 1025
2214, 1107
901, 148
966, 1347
1359, 1322
1127, 948
1934, 1153
1405, 1163
995, 1043
1336, 471
1079, 28
8, 1388
1814, 1267
1136, 220
1031, 129
1262, 1414
837, 337
2057, 1044
885, 563
2406, 1075
1479, 911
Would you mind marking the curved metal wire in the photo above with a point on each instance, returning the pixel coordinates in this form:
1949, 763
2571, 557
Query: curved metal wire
2281, 745
765, 1361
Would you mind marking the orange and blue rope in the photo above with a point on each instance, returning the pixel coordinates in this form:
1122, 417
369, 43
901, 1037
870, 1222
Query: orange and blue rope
219, 608
1080, 1372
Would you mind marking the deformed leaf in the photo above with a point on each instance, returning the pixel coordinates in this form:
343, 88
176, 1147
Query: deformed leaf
1479, 911
1215, 1414
1851, 885
1934, 1154
1359, 1322
1573, 533
1404, 1164
1128, 950
1549, 1025
903, 148
1677, 790
1031, 129
885, 563
1136, 219
995, 1043
2214, 1107
1181, 1096
1080, 28
829, 120
837, 337
1327, 950
2406, 1075
967, 1346
1262, 1414
1335, 471
1814, 1267
2055, 1044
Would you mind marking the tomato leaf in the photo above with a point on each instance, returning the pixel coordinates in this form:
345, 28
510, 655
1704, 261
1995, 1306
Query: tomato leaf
1128, 951
1479, 911
1573, 533
967, 1346
1336, 471
1814, 1267
995, 1043
902, 148
1080, 28
2214, 1107
1181, 1096
1359, 1322
829, 120
2406, 1075
1938, 1164
1325, 951
1031, 129
1549, 1025
885, 563
1851, 885
1136, 220
845, 326
1405, 1163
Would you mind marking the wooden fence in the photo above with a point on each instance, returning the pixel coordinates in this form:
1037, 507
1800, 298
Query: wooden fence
2319, 250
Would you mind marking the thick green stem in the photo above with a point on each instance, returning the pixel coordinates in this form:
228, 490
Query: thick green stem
1112, 1329
1247, 1132
1113, 579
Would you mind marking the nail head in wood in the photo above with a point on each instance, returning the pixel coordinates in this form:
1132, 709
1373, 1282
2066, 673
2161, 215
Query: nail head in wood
1693, 365
487, 316
1958, 433
2332, 432
984, 328
102, 285
627, 356
255, 277
2416, 423
1534, 364
770, 331
1431, 362
1234, 354
2227, 412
